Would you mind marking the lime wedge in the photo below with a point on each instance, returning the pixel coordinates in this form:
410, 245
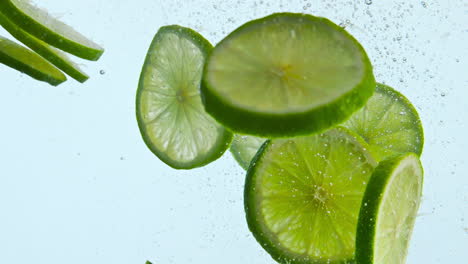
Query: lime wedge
40, 24
388, 211
286, 75
389, 124
169, 110
244, 148
54, 56
28, 62
303, 195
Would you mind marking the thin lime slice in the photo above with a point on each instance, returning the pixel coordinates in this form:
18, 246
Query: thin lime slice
244, 147
286, 75
40, 24
389, 124
53, 55
302, 196
28, 62
388, 211
170, 113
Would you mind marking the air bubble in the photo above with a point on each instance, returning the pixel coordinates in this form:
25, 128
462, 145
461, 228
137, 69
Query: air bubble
368, 2
102, 72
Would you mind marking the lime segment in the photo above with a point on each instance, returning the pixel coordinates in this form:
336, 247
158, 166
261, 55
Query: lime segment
302, 196
40, 24
28, 62
244, 148
277, 76
54, 56
169, 110
389, 211
389, 124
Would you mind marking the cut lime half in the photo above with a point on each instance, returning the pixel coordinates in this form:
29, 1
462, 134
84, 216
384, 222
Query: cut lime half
53, 55
244, 147
388, 211
286, 75
28, 62
302, 196
169, 110
389, 123
40, 24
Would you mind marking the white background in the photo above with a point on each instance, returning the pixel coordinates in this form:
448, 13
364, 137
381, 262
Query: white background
78, 185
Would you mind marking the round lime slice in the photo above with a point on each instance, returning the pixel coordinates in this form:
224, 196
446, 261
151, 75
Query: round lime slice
244, 148
389, 124
28, 62
40, 24
169, 110
303, 195
388, 211
53, 55
286, 75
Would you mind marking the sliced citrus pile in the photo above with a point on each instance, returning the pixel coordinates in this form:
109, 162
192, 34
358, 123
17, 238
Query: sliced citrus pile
311, 194
45, 35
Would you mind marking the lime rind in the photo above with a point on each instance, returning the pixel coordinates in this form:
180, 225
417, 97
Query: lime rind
223, 137
28, 62
53, 55
373, 207
264, 235
272, 125
389, 123
40, 24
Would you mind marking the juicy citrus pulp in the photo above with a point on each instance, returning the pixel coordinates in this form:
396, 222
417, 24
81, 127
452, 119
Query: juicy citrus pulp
277, 76
388, 210
169, 110
388, 123
303, 195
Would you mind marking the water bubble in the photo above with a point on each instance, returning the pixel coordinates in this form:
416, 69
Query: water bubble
368, 2
102, 72
442, 94
424, 4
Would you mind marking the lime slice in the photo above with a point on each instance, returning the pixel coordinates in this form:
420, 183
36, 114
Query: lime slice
169, 110
302, 196
389, 124
244, 148
28, 62
54, 56
277, 76
388, 211
40, 24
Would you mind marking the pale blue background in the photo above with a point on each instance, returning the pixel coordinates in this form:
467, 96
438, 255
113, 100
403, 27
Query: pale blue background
77, 184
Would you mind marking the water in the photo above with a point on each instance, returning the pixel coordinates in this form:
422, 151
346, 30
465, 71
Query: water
78, 185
